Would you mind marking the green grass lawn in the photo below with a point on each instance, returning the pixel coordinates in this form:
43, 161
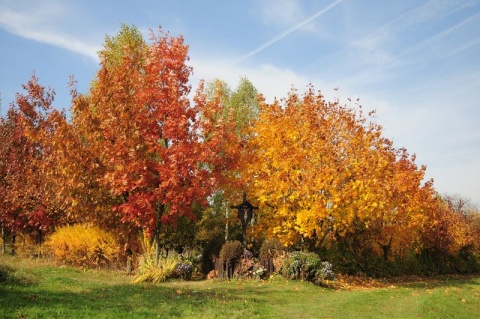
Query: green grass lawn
33, 289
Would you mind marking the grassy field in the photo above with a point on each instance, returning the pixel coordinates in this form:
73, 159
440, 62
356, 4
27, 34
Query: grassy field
32, 289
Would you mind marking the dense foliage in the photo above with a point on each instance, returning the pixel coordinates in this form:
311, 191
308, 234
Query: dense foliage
141, 155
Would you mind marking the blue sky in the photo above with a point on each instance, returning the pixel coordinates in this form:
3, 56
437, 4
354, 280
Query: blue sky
416, 62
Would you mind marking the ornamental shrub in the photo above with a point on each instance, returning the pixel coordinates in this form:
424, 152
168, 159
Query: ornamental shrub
80, 245
189, 265
184, 270
300, 265
324, 272
231, 251
249, 268
151, 270
306, 266
271, 248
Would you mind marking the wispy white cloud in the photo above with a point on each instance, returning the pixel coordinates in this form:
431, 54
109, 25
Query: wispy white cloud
444, 44
384, 53
432, 10
38, 23
285, 33
382, 45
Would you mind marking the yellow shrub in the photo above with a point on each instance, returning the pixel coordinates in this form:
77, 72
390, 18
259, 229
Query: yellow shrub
80, 245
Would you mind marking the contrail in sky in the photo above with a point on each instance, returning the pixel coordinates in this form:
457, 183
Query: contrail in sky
280, 36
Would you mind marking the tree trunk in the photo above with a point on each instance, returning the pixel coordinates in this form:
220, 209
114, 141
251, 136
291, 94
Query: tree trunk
40, 237
129, 254
157, 247
4, 241
40, 240
160, 212
385, 248
14, 237
129, 265
226, 224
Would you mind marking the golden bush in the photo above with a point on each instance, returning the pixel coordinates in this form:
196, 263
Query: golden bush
80, 245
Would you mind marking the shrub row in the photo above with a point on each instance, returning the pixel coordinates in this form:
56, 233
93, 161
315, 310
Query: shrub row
295, 265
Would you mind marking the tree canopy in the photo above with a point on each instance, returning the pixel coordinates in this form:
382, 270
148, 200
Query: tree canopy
142, 152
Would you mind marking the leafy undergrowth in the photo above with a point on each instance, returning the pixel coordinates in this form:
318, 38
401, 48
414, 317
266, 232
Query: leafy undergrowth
39, 290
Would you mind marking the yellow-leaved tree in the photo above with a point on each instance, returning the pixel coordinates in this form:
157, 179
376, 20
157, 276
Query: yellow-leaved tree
321, 169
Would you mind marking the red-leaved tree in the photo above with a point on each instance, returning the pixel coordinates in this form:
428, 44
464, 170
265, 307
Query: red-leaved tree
161, 153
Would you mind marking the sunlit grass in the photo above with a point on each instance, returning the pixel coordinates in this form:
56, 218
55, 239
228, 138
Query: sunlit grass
34, 289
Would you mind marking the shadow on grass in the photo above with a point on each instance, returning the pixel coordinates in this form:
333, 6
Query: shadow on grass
9, 276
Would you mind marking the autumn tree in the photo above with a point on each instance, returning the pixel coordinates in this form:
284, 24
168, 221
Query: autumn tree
29, 193
13, 158
415, 218
160, 153
321, 169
